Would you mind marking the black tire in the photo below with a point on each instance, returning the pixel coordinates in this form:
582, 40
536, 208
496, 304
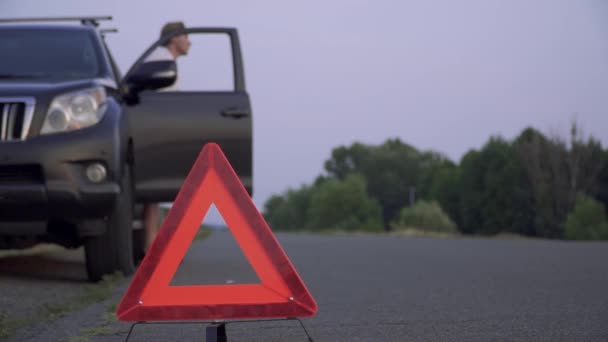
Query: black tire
113, 250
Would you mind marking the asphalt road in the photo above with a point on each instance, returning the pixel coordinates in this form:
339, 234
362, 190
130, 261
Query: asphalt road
370, 288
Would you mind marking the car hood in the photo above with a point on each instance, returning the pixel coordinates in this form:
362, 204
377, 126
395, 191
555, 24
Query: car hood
20, 89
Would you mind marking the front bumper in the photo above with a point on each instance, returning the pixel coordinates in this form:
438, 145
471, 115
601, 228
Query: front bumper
43, 178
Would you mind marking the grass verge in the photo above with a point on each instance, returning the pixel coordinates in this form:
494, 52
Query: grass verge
203, 233
94, 293
413, 232
102, 329
38, 249
409, 232
4, 328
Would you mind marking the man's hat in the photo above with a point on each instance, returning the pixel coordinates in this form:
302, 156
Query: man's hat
172, 27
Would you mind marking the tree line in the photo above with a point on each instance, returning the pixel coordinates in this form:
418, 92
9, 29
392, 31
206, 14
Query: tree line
534, 185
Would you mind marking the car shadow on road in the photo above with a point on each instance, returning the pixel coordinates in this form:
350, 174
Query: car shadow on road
56, 265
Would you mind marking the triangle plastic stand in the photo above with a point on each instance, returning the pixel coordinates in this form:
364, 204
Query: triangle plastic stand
281, 293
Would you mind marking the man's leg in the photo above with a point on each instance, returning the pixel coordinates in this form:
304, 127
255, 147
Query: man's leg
151, 222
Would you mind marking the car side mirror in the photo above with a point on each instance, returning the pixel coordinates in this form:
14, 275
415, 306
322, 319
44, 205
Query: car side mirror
153, 75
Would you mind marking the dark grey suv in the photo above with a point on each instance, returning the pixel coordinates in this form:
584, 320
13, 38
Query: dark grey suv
81, 146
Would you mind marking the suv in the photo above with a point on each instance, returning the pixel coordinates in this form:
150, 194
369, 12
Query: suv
81, 147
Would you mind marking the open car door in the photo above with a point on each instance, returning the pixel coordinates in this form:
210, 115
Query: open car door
169, 128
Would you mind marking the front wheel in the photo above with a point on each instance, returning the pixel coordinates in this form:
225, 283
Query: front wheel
113, 250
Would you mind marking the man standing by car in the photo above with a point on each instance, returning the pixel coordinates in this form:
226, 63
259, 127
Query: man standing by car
173, 48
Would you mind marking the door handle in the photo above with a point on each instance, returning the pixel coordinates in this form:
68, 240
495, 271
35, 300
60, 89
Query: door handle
235, 113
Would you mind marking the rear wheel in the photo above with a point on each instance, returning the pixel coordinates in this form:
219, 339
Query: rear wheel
113, 250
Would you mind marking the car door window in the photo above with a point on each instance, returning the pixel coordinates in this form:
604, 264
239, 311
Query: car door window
208, 65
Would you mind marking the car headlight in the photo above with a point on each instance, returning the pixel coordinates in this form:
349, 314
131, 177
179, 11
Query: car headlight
75, 110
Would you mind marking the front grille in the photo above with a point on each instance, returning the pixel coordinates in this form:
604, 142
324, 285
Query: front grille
15, 118
21, 174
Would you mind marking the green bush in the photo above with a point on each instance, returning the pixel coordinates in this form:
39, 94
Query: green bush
426, 216
587, 221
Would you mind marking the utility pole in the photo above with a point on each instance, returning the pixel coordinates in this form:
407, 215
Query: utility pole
412, 195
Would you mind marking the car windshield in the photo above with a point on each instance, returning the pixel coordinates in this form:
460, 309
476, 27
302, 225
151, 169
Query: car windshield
49, 54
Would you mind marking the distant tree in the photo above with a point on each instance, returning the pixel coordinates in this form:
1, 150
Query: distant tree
558, 170
494, 191
391, 171
446, 189
508, 204
343, 204
348, 160
273, 206
432, 165
585, 160
472, 171
602, 188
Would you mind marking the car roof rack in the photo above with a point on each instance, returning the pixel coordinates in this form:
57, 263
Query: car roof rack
94, 21
104, 31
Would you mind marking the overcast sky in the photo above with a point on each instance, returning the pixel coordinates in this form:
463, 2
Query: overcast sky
439, 74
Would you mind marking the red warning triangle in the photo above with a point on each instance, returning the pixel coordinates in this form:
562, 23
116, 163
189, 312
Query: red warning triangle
281, 293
